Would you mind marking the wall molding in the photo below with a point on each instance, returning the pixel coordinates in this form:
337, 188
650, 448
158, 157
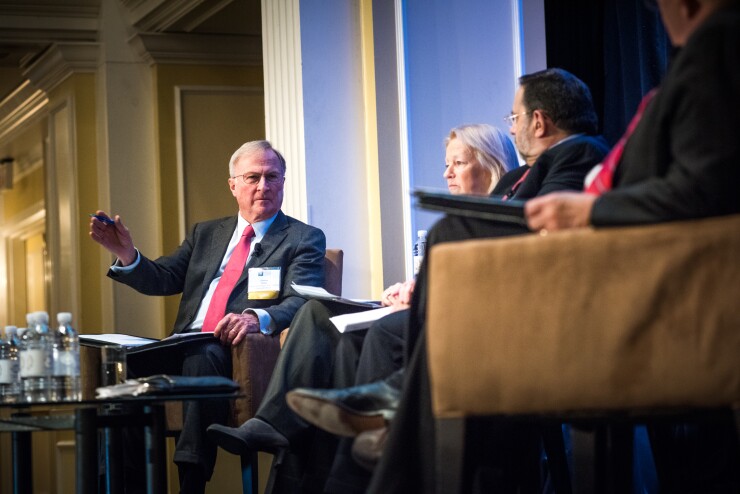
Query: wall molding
159, 15
60, 61
210, 49
21, 108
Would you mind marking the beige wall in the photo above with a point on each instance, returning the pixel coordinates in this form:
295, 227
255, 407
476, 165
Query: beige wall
72, 193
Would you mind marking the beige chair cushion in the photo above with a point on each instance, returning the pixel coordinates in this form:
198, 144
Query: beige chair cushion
640, 317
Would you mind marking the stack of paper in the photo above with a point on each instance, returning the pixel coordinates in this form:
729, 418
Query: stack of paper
359, 320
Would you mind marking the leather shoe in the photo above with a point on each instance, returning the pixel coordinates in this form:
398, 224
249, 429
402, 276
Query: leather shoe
346, 412
253, 435
368, 447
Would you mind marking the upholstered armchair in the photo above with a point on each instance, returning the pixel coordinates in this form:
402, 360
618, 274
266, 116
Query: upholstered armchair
588, 323
254, 358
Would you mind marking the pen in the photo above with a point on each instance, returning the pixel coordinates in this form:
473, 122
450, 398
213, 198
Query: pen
105, 220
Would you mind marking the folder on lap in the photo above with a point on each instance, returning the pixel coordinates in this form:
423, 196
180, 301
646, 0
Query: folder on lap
486, 208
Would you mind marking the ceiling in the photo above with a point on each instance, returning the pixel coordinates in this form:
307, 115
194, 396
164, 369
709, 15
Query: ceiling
29, 27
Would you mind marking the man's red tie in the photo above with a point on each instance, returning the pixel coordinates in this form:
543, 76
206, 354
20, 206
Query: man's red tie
515, 187
603, 180
232, 273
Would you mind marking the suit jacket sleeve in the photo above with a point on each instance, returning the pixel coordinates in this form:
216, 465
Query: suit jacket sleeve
164, 276
304, 267
683, 159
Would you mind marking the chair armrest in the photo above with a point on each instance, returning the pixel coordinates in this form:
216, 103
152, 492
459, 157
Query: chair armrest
587, 320
253, 361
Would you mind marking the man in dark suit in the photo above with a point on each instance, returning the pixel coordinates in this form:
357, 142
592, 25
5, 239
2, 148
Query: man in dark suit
269, 251
553, 123
680, 162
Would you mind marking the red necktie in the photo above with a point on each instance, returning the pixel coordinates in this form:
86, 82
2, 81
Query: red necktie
232, 273
603, 180
515, 187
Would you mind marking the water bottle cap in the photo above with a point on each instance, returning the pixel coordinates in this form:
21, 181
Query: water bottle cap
42, 317
64, 318
421, 234
30, 318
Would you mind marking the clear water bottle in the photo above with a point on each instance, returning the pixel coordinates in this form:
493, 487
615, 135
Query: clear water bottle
66, 384
35, 358
9, 367
12, 335
420, 248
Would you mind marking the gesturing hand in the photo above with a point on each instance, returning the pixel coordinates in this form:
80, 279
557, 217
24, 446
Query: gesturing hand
115, 238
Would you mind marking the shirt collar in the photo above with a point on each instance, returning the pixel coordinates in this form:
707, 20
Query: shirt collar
260, 227
566, 139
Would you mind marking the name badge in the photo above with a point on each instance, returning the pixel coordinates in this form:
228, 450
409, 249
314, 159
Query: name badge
264, 283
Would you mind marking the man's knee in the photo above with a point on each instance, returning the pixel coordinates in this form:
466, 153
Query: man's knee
210, 358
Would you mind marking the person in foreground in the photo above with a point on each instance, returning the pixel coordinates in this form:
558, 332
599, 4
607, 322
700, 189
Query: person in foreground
553, 123
678, 161
315, 354
216, 269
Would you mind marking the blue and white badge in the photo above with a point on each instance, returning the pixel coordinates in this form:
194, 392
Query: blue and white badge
264, 283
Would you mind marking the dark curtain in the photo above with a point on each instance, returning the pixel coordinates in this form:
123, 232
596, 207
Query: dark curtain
618, 47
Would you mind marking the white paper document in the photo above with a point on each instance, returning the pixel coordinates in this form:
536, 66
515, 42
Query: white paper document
359, 320
319, 293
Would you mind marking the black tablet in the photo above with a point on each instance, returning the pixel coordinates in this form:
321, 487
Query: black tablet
483, 207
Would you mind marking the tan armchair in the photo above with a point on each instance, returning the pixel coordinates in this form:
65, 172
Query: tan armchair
254, 359
582, 322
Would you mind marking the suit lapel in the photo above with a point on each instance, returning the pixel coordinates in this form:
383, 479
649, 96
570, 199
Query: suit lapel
221, 236
531, 185
508, 180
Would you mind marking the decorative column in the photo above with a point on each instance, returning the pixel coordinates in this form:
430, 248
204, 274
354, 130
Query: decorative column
284, 122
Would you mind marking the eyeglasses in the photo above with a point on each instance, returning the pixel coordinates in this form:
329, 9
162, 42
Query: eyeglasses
511, 119
254, 178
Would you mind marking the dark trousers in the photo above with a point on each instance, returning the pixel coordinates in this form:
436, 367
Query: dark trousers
382, 354
307, 359
316, 355
193, 448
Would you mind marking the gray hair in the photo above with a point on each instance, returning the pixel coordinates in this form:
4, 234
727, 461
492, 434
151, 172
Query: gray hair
252, 147
492, 148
